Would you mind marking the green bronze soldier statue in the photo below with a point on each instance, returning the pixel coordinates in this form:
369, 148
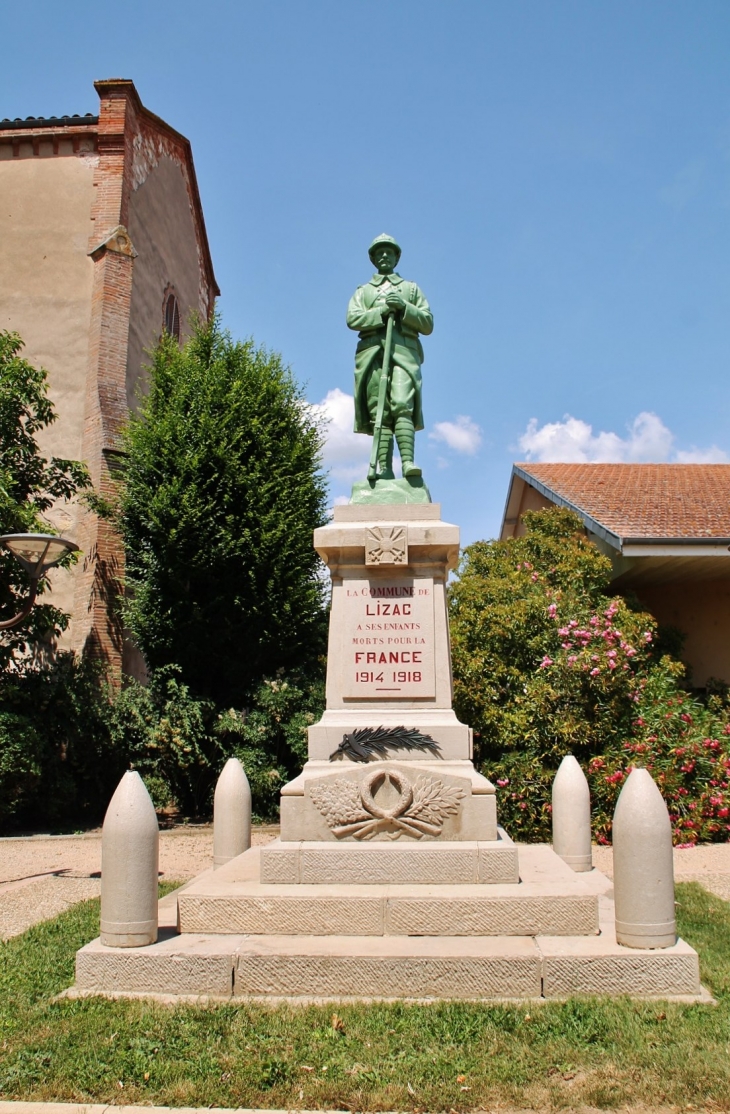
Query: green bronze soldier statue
389, 313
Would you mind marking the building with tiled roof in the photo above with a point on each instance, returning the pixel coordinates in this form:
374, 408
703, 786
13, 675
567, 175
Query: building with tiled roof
666, 528
103, 246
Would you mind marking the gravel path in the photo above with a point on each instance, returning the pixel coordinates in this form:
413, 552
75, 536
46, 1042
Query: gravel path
40, 876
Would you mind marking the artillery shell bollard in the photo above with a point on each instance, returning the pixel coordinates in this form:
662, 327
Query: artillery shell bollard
643, 867
572, 816
130, 842
231, 814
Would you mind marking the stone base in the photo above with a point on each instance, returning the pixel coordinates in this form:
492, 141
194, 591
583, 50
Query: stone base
386, 967
374, 492
467, 941
388, 864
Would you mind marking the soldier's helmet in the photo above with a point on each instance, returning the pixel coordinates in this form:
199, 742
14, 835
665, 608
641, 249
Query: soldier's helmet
384, 238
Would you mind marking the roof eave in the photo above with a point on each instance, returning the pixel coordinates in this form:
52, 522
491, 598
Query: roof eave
592, 524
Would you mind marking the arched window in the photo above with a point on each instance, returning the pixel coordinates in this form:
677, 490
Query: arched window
172, 316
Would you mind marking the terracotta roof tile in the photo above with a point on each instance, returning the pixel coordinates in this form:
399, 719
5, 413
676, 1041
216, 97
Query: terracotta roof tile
645, 500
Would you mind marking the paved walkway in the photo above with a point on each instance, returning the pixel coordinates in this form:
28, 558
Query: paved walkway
40, 876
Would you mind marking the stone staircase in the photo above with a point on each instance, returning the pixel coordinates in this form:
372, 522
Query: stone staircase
450, 926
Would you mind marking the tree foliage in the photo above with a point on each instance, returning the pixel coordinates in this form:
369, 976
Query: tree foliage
180, 743
60, 761
547, 662
221, 492
29, 486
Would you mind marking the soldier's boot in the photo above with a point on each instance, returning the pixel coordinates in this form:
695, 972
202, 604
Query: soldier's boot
405, 435
385, 455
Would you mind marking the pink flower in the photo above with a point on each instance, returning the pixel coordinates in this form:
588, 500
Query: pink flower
647, 636
595, 672
546, 661
502, 781
534, 577
552, 611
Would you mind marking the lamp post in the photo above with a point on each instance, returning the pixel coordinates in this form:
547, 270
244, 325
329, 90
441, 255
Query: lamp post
37, 553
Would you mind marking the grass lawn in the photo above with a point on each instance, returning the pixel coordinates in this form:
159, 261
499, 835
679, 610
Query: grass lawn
454, 1055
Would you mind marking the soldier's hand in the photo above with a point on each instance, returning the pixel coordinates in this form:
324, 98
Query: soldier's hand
395, 302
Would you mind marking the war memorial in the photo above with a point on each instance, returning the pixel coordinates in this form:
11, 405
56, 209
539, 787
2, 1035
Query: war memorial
392, 877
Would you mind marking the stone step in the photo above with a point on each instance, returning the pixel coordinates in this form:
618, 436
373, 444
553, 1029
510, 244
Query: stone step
524, 910
485, 862
367, 967
552, 900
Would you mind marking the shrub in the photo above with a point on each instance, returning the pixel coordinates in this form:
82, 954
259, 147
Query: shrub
59, 762
179, 743
547, 662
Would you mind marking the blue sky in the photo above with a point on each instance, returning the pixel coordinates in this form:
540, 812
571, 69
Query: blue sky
558, 175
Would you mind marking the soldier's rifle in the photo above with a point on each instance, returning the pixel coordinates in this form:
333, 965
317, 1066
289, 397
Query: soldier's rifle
382, 397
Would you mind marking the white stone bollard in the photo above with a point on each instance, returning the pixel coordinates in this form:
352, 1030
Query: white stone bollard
643, 866
130, 841
572, 815
231, 814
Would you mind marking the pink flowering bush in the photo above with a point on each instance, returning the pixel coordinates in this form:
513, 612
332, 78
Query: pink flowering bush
547, 663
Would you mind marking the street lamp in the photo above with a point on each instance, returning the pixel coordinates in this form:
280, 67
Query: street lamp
37, 553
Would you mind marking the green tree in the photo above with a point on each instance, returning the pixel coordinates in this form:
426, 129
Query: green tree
547, 662
221, 492
29, 486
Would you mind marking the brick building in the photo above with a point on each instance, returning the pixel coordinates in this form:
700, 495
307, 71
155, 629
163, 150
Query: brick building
103, 245
666, 529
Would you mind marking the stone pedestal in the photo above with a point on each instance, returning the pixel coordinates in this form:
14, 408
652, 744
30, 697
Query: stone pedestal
389, 666
392, 878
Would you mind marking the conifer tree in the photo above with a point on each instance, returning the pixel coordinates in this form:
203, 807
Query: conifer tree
221, 492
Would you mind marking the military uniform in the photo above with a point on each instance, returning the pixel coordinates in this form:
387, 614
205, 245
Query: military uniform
403, 407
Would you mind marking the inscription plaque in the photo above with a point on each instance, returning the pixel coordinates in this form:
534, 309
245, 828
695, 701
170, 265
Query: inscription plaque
389, 639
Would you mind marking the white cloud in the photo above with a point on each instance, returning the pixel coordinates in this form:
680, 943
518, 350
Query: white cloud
573, 441
463, 435
346, 453
713, 455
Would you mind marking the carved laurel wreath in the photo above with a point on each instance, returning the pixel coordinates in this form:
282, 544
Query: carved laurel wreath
421, 808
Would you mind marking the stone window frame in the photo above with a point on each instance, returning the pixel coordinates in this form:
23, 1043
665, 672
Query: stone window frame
171, 312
